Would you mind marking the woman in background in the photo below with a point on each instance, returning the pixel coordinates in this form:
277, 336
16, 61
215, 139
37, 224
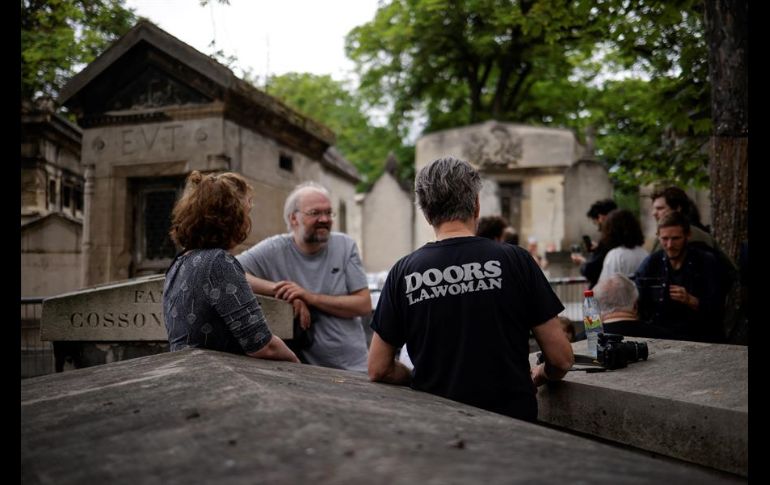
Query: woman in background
207, 302
622, 233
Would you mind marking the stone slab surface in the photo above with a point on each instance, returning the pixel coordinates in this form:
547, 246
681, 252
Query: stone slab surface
689, 400
200, 416
129, 311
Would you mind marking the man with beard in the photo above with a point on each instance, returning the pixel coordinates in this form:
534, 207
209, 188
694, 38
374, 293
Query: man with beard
320, 273
678, 285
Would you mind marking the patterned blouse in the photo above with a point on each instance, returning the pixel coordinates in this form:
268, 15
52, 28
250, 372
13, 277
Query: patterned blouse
208, 304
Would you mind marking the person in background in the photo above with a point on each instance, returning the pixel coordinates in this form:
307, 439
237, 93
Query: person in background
622, 233
679, 287
464, 306
318, 271
491, 227
618, 297
207, 302
591, 267
675, 199
510, 236
532, 248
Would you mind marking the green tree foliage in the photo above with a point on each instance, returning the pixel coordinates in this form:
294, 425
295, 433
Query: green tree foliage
58, 37
332, 103
457, 62
468, 61
656, 129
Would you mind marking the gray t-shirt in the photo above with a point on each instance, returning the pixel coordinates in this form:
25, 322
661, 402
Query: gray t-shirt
335, 270
208, 304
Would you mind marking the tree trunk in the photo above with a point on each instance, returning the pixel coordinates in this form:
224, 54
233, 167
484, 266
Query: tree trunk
727, 34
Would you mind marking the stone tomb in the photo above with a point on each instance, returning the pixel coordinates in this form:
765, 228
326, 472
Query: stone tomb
122, 320
199, 416
689, 401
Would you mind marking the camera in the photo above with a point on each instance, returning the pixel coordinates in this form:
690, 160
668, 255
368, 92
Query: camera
613, 353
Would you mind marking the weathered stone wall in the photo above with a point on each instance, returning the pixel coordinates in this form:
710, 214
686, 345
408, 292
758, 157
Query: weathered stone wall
505, 152
50, 257
122, 153
584, 183
387, 224
342, 190
546, 211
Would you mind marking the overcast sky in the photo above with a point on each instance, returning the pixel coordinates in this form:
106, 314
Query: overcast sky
275, 36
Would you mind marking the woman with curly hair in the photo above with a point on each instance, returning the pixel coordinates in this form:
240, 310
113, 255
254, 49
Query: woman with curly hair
207, 302
622, 233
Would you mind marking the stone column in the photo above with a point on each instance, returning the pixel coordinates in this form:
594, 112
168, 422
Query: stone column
88, 192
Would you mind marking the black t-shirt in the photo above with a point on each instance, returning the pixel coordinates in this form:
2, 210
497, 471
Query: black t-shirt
464, 307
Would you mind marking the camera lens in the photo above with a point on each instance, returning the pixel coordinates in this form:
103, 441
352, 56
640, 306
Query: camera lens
642, 350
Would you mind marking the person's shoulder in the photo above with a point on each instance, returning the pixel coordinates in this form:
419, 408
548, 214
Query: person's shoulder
659, 254
207, 254
655, 257
702, 253
342, 241
516, 251
219, 254
276, 242
614, 252
341, 236
210, 257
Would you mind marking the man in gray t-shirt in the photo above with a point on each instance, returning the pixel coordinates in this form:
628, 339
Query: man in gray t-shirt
320, 273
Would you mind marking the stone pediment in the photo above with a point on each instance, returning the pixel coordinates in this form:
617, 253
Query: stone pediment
153, 89
146, 68
495, 146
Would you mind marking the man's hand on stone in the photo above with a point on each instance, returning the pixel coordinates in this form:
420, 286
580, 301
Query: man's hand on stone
538, 375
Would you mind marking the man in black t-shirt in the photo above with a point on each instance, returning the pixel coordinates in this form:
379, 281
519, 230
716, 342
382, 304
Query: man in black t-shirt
464, 307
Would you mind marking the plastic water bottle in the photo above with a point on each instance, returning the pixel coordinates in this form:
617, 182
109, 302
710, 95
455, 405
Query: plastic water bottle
592, 321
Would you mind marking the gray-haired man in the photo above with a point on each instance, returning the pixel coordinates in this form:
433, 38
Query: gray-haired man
317, 269
618, 299
464, 306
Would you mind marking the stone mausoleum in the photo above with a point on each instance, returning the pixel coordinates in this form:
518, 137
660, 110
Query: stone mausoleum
151, 110
542, 180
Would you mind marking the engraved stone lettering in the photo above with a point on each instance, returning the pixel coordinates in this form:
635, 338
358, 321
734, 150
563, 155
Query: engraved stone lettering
127, 141
78, 317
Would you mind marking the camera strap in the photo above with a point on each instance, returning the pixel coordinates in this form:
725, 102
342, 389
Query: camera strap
586, 362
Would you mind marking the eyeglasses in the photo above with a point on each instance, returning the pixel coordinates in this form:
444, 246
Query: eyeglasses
315, 213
